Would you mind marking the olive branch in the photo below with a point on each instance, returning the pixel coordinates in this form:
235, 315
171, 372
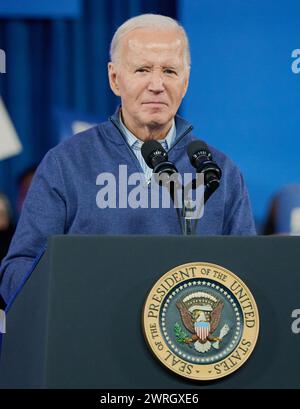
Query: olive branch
179, 333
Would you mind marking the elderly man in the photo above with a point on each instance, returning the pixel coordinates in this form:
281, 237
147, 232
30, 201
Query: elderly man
149, 70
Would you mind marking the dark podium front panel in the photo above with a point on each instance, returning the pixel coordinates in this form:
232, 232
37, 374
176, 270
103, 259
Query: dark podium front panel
77, 321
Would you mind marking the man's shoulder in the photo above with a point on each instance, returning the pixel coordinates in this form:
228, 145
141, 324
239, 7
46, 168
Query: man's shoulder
223, 159
81, 140
81, 148
226, 163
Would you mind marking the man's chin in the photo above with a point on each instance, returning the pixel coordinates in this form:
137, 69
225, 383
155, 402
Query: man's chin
156, 120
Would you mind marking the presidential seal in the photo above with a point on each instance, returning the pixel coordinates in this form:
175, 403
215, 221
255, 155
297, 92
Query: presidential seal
201, 321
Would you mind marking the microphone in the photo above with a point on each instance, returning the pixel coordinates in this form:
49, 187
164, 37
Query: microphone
157, 158
164, 171
201, 159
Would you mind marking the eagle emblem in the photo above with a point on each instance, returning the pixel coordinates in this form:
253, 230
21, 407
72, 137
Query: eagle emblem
200, 313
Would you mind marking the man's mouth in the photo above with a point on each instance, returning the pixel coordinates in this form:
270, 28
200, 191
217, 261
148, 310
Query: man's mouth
155, 103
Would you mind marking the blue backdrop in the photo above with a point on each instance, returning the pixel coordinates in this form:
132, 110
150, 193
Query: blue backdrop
58, 63
243, 96
39, 8
244, 91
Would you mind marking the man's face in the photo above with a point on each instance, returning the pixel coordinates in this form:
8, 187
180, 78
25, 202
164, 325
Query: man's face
150, 77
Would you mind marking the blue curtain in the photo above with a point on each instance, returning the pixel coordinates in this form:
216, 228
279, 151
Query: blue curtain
59, 64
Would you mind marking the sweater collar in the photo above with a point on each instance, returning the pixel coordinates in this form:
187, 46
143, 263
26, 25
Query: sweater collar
183, 127
132, 140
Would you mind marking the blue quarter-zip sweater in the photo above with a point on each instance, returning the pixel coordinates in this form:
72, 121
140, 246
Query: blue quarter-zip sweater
62, 198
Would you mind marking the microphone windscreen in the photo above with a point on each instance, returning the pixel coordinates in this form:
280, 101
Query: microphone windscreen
149, 148
197, 146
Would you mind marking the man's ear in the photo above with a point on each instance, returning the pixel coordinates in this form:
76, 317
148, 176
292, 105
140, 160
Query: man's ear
113, 78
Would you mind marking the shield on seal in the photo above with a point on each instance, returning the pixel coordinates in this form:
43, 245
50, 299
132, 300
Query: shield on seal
202, 329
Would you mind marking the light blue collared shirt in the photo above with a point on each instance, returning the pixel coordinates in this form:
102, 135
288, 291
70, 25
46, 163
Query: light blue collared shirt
136, 145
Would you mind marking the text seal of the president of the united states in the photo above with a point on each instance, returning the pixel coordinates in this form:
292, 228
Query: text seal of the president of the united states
201, 321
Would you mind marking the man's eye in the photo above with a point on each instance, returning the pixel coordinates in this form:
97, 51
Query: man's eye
142, 70
169, 71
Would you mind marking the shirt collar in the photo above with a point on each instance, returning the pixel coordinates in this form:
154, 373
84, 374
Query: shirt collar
133, 141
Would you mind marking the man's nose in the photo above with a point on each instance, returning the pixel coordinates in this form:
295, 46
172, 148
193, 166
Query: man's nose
156, 83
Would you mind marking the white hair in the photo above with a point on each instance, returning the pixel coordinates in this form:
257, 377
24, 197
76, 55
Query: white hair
156, 21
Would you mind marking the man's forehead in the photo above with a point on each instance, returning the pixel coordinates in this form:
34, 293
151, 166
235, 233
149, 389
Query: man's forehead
148, 46
173, 62
135, 44
153, 39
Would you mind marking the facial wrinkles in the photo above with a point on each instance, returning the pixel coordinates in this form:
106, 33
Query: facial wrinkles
153, 51
135, 44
